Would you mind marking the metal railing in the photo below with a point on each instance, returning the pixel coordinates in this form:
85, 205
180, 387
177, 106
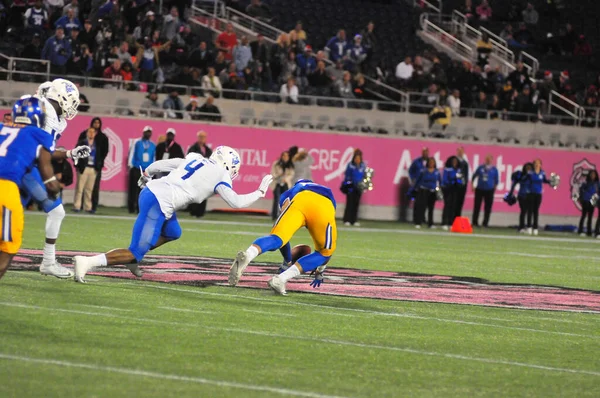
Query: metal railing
562, 103
530, 62
246, 25
429, 4
447, 40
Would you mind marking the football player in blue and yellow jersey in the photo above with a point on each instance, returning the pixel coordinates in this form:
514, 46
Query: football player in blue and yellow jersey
22, 142
308, 205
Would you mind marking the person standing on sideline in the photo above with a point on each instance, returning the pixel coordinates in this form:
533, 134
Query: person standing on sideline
451, 183
198, 209
283, 177
141, 155
169, 149
538, 178
487, 180
523, 178
425, 188
417, 165
461, 190
355, 172
102, 148
86, 174
587, 190
302, 163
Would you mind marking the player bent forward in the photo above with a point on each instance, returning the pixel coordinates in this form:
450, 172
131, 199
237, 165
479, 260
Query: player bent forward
308, 205
191, 180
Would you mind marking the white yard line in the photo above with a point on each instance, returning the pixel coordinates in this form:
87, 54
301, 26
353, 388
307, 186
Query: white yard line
187, 310
310, 339
269, 313
162, 376
102, 307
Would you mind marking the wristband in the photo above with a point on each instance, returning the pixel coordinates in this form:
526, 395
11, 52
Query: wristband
49, 180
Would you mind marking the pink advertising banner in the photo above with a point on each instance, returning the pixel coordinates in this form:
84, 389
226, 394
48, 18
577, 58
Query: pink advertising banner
390, 158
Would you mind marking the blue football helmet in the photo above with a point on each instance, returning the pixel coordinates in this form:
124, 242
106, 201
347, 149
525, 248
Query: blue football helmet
30, 110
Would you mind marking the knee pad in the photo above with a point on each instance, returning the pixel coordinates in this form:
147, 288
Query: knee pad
54, 221
172, 231
312, 261
269, 243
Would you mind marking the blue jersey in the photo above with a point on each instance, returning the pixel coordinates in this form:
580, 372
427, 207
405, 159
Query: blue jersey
415, 168
524, 181
36, 18
305, 185
537, 180
19, 149
450, 179
487, 177
429, 179
588, 189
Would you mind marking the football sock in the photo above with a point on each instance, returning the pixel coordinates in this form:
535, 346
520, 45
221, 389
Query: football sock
53, 221
99, 260
286, 252
49, 254
251, 253
290, 273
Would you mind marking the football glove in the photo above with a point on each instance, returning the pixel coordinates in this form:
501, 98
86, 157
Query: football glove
80, 152
144, 178
318, 279
264, 185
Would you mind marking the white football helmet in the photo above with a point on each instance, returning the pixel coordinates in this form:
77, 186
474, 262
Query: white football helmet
229, 159
65, 93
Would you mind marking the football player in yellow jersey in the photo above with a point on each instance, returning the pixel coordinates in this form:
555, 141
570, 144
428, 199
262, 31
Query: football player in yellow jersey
308, 205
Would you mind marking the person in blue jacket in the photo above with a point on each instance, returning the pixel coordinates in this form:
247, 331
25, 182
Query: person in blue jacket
538, 179
587, 190
141, 155
355, 172
451, 183
487, 180
523, 178
425, 186
417, 165
57, 51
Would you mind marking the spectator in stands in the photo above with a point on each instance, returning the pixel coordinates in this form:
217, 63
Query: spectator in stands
33, 50
86, 174
568, 40
484, 11
425, 185
226, 73
360, 89
507, 33
192, 108
588, 189
480, 105
141, 155
113, 73
355, 172
169, 149
123, 53
73, 5
82, 62
242, 54
171, 24
369, 40
84, 104
320, 80
356, 55
184, 40
174, 106
201, 57
495, 108
300, 33
151, 107
147, 26
258, 10
530, 15
487, 181
57, 51
220, 63
583, 47
440, 114
62, 171
336, 71
454, 103
282, 171
289, 91
211, 83
519, 77
289, 68
429, 98
209, 111
523, 37
226, 41
526, 105
68, 22
484, 48
36, 18
261, 51
336, 46
147, 59
200, 146
88, 36
306, 65
344, 86
404, 71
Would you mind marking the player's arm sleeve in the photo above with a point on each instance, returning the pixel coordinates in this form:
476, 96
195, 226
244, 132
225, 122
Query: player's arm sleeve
164, 166
234, 200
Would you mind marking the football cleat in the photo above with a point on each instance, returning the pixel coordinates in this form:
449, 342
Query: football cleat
56, 270
277, 285
535, 232
237, 268
135, 270
82, 266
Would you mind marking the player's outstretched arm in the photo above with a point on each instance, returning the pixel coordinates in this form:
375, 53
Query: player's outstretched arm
163, 166
241, 201
47, 172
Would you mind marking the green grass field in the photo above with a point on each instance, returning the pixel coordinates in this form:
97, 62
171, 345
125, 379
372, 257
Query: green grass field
117, 337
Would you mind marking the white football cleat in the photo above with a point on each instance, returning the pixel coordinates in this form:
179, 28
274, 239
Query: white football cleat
56, 270
582, 234
445, 227
82, 266
417, 226
523, 231
529, 231
237, 268
277, 285
347, 224
535, 232
357, 224
135, 270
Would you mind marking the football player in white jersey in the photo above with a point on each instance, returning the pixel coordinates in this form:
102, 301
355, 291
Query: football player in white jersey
190, 180
61, 99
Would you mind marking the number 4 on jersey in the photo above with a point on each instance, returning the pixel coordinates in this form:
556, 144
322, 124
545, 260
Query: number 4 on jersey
191, 167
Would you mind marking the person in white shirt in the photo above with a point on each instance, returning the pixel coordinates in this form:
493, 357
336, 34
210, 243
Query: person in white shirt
405, 69
191, 180
211, 84
454, 103
289, 92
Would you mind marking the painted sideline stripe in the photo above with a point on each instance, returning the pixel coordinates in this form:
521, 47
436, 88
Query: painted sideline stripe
162, 376
360, 229
312, 339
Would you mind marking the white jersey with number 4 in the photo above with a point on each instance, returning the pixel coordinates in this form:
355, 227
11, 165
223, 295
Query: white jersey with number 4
191, 180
